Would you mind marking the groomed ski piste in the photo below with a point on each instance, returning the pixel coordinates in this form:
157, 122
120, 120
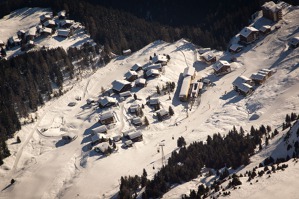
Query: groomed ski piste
43, 167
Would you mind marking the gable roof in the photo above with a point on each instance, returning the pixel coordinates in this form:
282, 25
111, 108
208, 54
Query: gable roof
63, 32
152, 72
185, 86
189, 71
100, 129
208, 56
294, 41
258, 76
140, 81
106, 115
271, 6
134, 135
240, 80
47, 30
106, 100
64, 22
163, 112
136, 120
245, 87
31, 31
234, 47
159, 58
49, 22
129, 74
220, 64
125, 94
264, 28
152, 66
134, 107
119, 84
104, 146
45, 16
154, 101
245, 32
136, 66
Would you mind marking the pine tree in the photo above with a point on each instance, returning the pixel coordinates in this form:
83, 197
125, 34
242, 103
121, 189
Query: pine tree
146, 122
170, 110
135, 96
158, 90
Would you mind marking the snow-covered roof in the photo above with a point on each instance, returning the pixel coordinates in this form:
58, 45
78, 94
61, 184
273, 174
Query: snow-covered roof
244, 87
1, 42
136, 120
134, 135
47, 30
31, 31
189, 71
235, 47
63, 32
128, 142
125, 94
220, 64
100, 129
203, 50
127, 51
134, 107
61, 13
240, 80
163, 112
152, 72
258, 76
45, 16
64, 22
49, 22
140, 81
294, 41
119, 84
105, 100
96, 137
208, 56
271, 6
245, 32
136, 67
185, 86
14, 39
159, 58
152, 66
129, 74
266, 70
264, 28
106, 115
21, 32
154, 101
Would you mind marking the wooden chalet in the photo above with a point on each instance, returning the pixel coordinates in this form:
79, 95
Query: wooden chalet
125, 94
153, 102
31, 34
266, 72
98, 138
222, 67
119, 86
107, 118
45, 18
30, 44
185, 89
140, 82
65, 33
160, 59
100, 129
272, 11
163, 114
264, 30
152, 73
136, 67
248, 35
134, 108
107, 102
294, 42
14, 41
21, 34
147, 67
235, 48
208, 57
242, 85
116, 138
258, 78
61, 15
127, 52
136, 121
196, 88
104, 147
131, 76
128, 143
66, 23
189, 71
135, 136
49, 24
46, 31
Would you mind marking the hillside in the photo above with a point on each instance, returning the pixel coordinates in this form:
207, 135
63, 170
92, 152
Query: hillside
75, 170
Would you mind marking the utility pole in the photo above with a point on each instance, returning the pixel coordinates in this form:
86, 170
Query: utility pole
162, 150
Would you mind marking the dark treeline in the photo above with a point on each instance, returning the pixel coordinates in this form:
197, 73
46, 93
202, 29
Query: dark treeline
229, 151
132, 24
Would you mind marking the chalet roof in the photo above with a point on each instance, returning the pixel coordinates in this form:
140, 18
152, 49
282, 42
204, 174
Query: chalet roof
235, 47
271, 6
45, 16
63, 32
208, 56
264, 28
61, 13
104, 146
100, 129
189, 71
154, 101
1, 42
21, 32
116, 138
203, 50
136, 120
127, 51
64, 22
240, 80
49, 22
266, 70
30, 42
136, 67
163, 112
185, 86
134, 107
119, 84
294, 41
70, 135
258, 76
31, 31
140, 81
129, 74
152, 72
125, 94
245, 32
106, 100
106, 115
159, 58
47, 30
245, 87
96, 137
128, 142
152, 66
134, 135
220, 65
14, 39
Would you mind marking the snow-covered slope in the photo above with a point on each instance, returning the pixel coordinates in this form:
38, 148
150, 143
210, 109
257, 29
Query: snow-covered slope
44, 168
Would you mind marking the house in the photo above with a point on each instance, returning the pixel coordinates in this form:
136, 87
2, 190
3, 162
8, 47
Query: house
248, 35
258, 78
14, 41
245, 89
222, 67
160, 59
189, 71
21, 34
152, 73
98, 138
135, 136
116, 138
30, 44
163, 114
235, 48
153, 101
69, 137
45, 18
128, 143
64, 33
266, 72
106, 102
50, 24
131, 76
136, 67
104, 147
294, 42
134, 108
46, 31
100, 129
61, 15
196, 88
208, 57
140, 82
66, 23
127, 52
1, 43
107, 118
272, 11
266, 29
203, 50
242, 84
31, 34
152, 66
136, 121
185, 89
119, 86
125, 94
